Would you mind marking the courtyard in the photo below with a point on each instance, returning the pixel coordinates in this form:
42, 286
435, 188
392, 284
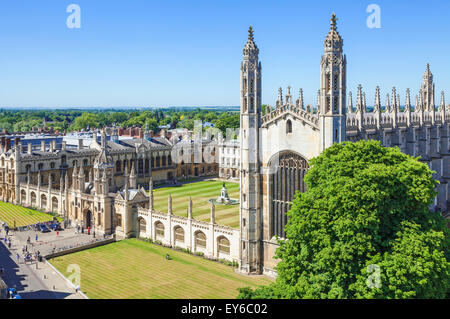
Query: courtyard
200, 193
136, 269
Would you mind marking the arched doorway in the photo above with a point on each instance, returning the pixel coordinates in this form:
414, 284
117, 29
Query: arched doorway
286, 178
87, 218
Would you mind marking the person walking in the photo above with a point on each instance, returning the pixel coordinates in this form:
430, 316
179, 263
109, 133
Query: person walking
18, 258
36, 237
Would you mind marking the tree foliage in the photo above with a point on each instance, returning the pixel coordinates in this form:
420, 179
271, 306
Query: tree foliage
363, 229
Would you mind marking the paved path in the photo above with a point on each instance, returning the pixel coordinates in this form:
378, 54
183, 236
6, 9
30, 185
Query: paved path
48, 243
32, 283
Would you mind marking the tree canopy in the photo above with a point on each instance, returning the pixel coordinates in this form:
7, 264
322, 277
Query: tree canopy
363, 229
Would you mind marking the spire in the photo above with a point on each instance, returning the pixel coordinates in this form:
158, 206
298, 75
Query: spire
133, 184
300, 102
364, 102
398, 103
150, 194
213, 213
126, 193
170, 204
190, 208
377, 104
394, 100
359, 99
61, 183
103, 139
416, 105
421, 106
388, 105
333, 41
66, 181
75, 173
251, 51
350, 102
125, 174
427, 73
442, 105
408, 101
280, 97
289, 96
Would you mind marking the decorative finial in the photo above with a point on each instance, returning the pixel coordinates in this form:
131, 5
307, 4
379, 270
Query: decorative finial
250, 33
333, 21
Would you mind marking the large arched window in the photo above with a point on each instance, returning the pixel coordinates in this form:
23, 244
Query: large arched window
289, 170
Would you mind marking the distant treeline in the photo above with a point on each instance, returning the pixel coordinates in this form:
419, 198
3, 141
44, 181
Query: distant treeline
25, 120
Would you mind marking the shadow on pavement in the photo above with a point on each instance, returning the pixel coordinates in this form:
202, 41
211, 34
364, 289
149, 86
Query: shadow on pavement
11, 277
44, 294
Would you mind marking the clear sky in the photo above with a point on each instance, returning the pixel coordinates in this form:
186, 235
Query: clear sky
179, 53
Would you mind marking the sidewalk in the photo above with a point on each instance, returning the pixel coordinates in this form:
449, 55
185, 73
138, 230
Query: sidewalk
32, 283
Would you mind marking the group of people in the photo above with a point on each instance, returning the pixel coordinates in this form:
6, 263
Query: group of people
29, 256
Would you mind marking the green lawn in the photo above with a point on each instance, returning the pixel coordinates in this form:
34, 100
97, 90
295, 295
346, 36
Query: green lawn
133, 269
200, 193
21, 215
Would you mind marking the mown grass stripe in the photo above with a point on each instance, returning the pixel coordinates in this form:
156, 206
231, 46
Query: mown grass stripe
136, 269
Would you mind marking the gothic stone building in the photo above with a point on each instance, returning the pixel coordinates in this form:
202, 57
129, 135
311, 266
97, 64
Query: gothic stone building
277, 146
82, 184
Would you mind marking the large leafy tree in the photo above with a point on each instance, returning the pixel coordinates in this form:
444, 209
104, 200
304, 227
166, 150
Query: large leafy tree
363, 229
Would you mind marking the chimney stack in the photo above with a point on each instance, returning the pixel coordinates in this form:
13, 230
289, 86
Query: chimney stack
80, 143
42, 146
30, 149
63, 145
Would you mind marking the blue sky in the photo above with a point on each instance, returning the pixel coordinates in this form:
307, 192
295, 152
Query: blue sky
159, 53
